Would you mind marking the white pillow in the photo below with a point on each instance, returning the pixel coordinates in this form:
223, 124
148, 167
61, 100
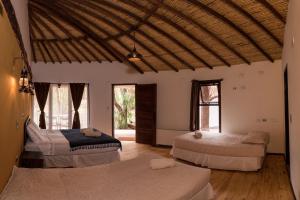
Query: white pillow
35, 134
256, 137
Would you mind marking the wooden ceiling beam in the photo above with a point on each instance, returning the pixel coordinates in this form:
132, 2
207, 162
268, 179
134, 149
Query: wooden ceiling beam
57, 11
179, 28
33, 49
253, 19
32, 35
98, 28
111, 15
268, 6
157, 29
204, 29
82, 45
214, 13
97, 49
52, 32
68, 34
41, 33
137, 26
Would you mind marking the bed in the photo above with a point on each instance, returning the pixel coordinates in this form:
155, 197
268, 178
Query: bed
127, 180
222, 150
70, 148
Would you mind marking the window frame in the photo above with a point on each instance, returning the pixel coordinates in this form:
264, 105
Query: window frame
217, 83
70, 105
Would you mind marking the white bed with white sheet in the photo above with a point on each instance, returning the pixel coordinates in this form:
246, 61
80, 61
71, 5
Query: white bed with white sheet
222, 150
57, 152
128, 180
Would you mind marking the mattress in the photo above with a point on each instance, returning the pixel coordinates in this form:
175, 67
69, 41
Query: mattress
132, 179
223, 144
55, 143
219, 162
63, 149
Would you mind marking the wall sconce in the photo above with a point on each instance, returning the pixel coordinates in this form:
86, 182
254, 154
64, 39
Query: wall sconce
23, 82
26, 85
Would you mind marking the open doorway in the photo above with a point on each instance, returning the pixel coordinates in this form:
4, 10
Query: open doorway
124, 114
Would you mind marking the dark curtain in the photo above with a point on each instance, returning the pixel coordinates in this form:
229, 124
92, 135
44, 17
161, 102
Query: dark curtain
194, 112
41, 91
77, 90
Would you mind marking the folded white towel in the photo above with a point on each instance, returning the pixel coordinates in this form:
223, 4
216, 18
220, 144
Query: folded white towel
162, 163
90, 132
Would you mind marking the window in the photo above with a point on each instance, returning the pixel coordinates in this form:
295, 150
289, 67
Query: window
209, 106
59, 108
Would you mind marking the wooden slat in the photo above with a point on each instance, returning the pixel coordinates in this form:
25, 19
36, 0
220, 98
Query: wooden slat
106, 32
62, 14
130, 36
268, 6
254, 20
203, 28
157, 29
179, 28
231, 24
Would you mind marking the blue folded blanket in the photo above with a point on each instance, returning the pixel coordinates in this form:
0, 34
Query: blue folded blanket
78, 141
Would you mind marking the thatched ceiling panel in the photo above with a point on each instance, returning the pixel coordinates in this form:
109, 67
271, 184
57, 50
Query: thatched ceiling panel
170, 34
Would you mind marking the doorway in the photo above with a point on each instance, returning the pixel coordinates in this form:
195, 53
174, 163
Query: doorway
287, 116
124, 112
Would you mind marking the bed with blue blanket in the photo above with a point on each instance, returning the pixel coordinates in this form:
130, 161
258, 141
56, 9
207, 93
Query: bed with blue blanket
71, 148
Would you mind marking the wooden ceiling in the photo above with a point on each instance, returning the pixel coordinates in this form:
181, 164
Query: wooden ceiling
170, 34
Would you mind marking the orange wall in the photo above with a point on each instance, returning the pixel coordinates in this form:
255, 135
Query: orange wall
14, 107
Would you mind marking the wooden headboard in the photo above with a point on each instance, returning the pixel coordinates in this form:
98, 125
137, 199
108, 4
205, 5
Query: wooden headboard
25, 129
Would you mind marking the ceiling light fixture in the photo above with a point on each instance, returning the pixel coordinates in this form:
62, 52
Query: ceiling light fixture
134, 56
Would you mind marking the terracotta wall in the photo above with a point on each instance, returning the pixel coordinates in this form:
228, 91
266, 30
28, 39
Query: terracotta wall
14, 107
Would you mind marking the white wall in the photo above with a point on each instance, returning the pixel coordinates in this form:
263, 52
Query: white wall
258, 94
291, 57
21, 10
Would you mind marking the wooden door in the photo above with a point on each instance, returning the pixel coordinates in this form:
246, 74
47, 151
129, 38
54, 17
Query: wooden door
146, 113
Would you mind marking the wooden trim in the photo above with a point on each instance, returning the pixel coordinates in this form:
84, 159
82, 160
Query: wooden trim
231, 24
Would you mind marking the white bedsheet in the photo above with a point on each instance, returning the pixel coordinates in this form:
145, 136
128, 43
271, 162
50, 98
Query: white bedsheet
223, 144
55, 143
128, 180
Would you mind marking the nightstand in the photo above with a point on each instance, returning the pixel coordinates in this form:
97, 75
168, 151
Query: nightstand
32, 159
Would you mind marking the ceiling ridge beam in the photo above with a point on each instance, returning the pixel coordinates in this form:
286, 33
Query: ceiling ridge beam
140, 32
253, 19
217, 15
157, 29
180, 29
